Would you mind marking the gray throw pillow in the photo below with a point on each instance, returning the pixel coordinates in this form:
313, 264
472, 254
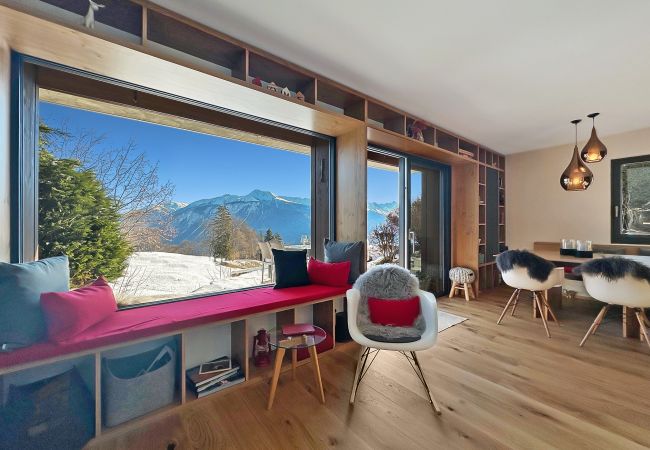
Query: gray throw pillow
21, 285
345, 251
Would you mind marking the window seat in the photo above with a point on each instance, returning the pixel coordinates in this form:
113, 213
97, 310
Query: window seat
137, 323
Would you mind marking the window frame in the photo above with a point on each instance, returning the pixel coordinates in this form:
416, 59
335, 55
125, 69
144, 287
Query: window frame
24, 119
617, 237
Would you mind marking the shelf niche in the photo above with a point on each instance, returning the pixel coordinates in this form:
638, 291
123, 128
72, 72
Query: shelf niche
283, 76
386, 118
334, 98
184, 40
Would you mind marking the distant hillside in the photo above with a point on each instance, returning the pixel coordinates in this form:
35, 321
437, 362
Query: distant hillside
289, 216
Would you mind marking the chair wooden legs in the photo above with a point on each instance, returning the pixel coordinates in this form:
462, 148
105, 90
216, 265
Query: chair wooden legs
547, 305
514, 305
420, 374
641, 317
503, 313
361, 362
594, 326
541, 311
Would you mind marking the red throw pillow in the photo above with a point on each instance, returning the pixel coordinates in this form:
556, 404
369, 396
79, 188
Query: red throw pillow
394, 313
69, 313
328, 274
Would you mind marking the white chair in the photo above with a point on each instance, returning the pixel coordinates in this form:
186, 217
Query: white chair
626, 291
370, 347
517, 276
267, 260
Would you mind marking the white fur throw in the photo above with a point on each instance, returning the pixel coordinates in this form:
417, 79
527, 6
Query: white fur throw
389, 282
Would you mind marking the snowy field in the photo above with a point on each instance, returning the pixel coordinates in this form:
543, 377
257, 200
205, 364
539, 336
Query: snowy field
152, 276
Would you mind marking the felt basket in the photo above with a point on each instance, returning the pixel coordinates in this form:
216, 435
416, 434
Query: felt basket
136, 385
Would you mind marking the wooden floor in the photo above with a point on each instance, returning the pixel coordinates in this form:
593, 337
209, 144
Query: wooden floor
505, 386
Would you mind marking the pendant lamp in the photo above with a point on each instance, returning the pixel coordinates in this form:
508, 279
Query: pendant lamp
594, 150
577, 176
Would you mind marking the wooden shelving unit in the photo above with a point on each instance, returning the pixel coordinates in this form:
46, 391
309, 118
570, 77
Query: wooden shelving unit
492, 225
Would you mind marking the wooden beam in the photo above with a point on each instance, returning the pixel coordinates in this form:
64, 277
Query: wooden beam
351, 185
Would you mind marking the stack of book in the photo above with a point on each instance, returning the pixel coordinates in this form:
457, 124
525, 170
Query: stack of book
213, 376
465, 153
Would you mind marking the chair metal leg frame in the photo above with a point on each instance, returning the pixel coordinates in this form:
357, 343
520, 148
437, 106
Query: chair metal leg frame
362, 370
594, 326
418, 371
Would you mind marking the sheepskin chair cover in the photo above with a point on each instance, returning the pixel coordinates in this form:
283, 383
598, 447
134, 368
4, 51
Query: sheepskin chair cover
537, 267
387, 281
614, 268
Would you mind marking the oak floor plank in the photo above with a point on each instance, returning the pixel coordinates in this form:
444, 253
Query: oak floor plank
505, 386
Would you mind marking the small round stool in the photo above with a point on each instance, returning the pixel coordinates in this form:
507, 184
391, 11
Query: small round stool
462, 279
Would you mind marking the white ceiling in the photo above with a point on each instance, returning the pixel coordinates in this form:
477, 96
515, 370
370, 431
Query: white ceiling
509, 74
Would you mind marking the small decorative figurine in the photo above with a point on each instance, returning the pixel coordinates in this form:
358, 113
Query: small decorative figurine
300, 96
286, 92
89, 19
257, 81
416, 130
273, 87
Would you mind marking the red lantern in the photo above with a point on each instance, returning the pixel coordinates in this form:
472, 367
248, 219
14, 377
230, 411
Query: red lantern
261, 349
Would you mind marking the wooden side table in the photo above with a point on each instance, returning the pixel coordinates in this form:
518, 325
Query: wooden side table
282, 343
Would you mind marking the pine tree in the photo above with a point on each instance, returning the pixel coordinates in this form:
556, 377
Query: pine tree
268, 237
78, 219
222, 234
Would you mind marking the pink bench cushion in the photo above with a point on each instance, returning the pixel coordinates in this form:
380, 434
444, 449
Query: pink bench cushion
169, 317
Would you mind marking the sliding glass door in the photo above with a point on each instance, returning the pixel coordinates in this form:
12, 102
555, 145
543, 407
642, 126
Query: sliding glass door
408, 216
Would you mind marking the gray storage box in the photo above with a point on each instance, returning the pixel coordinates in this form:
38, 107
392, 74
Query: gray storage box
135, 385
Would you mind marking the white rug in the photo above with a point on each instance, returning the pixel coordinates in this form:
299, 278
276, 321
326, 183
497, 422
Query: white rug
447, 320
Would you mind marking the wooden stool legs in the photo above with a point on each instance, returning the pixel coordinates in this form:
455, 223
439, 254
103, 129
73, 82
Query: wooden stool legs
466, 287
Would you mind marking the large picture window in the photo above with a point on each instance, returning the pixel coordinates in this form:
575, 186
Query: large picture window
168, 207
631, 200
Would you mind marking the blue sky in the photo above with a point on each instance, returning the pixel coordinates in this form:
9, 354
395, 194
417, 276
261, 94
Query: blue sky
205, 166
200, 166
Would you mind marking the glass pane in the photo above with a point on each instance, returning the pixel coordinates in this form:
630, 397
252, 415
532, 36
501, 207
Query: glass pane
635, 199
161, 211
425, 221
383, 209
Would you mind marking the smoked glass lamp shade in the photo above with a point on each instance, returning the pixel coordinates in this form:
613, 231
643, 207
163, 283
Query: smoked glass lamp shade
577, 176
594, 150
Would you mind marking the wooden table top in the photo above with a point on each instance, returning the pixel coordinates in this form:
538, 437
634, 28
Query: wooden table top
554, 256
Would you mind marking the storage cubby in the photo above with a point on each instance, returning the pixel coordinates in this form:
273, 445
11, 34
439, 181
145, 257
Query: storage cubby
119, 20
130, 371
446, 141
383, 117
271, 71
467, 149
182, 41
332, 97
50, 406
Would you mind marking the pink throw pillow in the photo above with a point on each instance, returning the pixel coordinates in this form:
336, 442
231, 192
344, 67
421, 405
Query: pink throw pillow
67, 314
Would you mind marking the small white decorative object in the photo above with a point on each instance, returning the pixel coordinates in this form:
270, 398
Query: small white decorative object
286, 92
89, 20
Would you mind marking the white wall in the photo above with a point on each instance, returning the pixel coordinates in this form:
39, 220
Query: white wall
538, 209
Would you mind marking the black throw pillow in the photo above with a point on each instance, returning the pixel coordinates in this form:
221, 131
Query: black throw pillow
290, 268
345, 251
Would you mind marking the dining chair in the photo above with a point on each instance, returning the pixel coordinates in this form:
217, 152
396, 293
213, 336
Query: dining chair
390, 281
525, 271
617, 281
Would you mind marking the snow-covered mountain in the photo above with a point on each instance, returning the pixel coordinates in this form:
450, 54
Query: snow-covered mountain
289, 216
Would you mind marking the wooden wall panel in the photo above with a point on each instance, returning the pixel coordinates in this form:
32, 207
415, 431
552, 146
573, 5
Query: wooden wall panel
464, 216
351, 185
5, 89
